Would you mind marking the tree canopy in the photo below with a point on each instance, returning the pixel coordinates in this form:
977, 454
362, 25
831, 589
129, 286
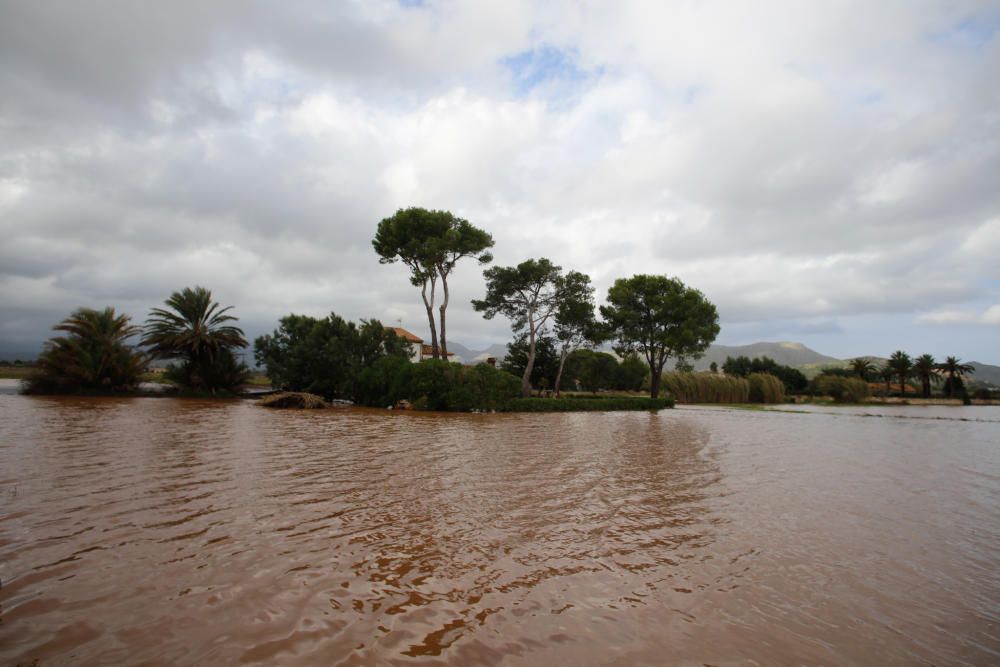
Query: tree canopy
659, 317
575, 324
529, 295
902, 366
325, 356
431, 243
94, 355
197, 331
793, 379
954, 369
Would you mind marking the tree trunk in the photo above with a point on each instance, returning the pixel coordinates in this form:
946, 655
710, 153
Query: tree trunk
429, 305
442, 308
902, 386
951, 384
562, 362
927, 386
655, 378
526, 378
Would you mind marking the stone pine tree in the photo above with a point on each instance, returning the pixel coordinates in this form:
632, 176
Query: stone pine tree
575, 324
461, 240
659, 318
430, 244
529, 295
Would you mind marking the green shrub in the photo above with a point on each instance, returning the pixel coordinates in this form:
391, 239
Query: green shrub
630, 374
481, 387
383, 383
765, 388
325, 356
742, 366
224, 373
435, 384
841, 389
588, 404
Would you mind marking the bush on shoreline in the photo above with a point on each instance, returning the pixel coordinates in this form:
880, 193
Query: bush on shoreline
435, 384
841, 389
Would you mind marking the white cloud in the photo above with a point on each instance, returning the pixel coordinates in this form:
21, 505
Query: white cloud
989, 317
799, 162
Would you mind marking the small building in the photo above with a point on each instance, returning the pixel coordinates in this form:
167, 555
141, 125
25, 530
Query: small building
418, 349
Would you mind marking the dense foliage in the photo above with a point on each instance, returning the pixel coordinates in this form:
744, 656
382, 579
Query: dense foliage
793, 379
94, 355
194, 330
546, 366
430, 244
902, 365
325, 356
435, 384
657, 318
530, 295
841, 389
954, 370
588, 370
575, 325
630, 374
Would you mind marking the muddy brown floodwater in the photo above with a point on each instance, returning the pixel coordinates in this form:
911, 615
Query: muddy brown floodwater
184, 532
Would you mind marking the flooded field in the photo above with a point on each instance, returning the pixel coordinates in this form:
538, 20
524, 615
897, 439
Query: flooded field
184, 532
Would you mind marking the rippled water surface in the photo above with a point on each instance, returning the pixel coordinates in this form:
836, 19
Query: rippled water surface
182, 532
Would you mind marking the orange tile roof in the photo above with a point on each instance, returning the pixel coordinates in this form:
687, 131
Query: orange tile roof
406, 335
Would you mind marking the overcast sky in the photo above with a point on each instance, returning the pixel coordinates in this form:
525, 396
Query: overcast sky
825, 172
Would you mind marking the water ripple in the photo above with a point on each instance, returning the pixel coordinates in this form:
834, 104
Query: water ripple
160, 531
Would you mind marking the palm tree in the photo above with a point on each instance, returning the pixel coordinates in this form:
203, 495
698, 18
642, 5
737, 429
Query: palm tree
94, 355
863, 367
902, 366
887, 373
196, 331
955, 369
924, 368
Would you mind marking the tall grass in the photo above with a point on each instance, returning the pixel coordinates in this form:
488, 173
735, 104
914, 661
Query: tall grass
706, 388
766, 388
713, 388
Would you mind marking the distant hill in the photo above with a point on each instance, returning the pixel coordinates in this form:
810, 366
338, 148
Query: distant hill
985, 373
497, 350
785, 353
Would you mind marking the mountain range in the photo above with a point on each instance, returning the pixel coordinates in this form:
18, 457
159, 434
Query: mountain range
785, 353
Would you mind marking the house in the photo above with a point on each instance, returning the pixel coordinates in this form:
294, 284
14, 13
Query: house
418, 350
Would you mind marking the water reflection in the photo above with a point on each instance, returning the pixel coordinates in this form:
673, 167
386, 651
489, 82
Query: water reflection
161, 531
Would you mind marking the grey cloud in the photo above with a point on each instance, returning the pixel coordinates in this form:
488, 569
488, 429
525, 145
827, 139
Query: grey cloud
834, 169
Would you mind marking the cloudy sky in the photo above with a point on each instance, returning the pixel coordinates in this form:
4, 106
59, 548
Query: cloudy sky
825, 172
